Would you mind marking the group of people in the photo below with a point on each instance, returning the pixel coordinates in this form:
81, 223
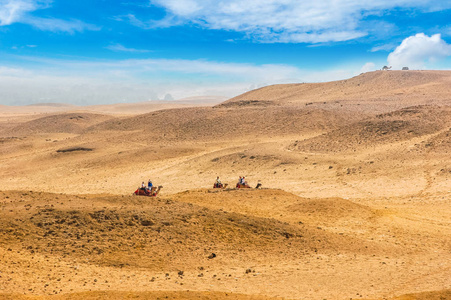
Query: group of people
242, 180
241, 183
148, 186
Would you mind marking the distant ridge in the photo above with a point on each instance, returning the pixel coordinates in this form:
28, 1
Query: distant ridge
58, 123
420, 86
51, 104
203, 99
114, 109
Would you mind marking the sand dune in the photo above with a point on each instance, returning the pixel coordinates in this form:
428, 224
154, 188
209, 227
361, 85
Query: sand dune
355, 200
114, 109
59, 123
163, 231
210, 123
400, 125
407, 87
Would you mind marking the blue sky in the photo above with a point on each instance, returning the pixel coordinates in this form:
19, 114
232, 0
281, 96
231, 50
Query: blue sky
97, 51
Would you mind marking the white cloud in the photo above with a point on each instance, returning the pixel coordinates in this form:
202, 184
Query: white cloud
121, 48
386, 47
14, 72
19, 11
12, 11
58, 25
368, 67
418, 50
134, 68
282, 20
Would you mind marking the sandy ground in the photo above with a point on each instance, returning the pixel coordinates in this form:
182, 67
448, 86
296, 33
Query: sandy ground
356, 198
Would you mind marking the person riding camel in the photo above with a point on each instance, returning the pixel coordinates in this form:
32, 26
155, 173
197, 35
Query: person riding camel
149, 185
144, 188
241, 182
218, 183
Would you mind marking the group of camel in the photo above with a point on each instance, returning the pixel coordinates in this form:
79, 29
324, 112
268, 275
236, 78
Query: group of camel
241, 184
238, 185
153, 192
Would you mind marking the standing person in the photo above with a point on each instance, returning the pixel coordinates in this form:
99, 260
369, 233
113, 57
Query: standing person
259, 185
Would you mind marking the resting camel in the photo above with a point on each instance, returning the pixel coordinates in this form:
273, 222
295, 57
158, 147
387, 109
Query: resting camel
145, 192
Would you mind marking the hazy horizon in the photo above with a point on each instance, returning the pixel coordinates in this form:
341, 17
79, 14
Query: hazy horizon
61, 52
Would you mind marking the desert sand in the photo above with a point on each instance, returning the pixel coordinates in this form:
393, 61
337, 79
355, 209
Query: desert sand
355, 204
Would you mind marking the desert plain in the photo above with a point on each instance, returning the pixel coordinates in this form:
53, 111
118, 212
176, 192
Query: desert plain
355, 204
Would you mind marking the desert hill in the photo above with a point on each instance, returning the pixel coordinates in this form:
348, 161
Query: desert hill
138, 232
439, 144
356, 189
69, 244
210, 123
288, 207
393, 127
407, 87
58, 123
113, 109
150, 106
336, 215
154, 235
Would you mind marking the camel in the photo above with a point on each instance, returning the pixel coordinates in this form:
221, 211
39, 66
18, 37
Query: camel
385, 68
242, 186
247, 186
145, 192
220, 186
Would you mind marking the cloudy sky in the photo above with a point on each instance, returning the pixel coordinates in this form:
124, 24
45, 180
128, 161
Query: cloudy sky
110, 51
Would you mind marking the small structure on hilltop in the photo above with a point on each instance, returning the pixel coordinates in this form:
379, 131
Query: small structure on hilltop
385, 68
405, 68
